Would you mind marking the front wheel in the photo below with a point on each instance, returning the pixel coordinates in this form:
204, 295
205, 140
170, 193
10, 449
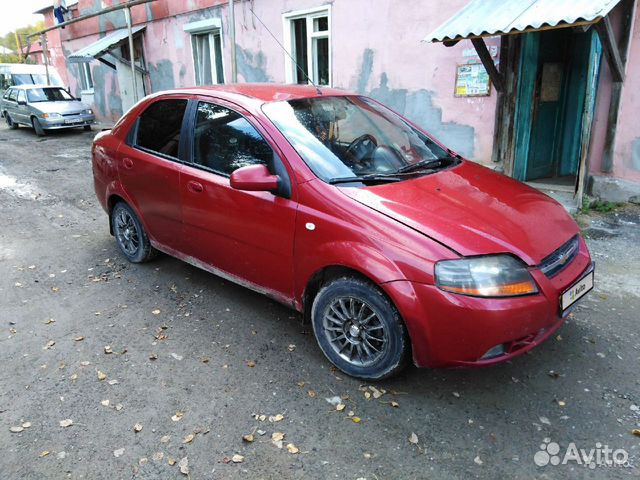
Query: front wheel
359, 330
38, 127
10, 123
130, 235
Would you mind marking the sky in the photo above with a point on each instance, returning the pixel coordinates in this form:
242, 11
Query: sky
20, 13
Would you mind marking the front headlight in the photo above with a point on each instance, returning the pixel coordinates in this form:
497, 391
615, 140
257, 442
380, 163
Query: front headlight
51, 116
88, 111
490, 276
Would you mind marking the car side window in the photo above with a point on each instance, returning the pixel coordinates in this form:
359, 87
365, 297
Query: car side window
13, 95
159, 127
6, 94
225, 141
22, 96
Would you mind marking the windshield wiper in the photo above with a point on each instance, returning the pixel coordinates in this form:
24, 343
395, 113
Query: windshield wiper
422, 164
377, 177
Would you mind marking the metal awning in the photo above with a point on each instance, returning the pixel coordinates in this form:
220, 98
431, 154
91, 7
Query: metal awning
484, 18
101, 47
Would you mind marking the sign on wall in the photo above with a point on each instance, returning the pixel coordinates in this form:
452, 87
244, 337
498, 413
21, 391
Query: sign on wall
472, 80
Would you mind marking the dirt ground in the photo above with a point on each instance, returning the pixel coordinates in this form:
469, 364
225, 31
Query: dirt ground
149, 365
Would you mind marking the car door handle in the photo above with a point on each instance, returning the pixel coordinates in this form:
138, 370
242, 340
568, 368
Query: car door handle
127, 162
195, 187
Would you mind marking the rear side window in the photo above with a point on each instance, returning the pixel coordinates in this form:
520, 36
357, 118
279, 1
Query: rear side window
13, 95
159, 127
6, 94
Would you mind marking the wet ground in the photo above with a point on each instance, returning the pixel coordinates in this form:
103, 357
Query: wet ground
112, 370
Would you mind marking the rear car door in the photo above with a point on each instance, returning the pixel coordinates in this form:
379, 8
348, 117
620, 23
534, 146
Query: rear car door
10, 102
149, 168
22, 110
248, 235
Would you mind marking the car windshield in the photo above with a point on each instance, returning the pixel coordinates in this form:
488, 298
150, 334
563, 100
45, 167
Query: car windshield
48, 94
350, 138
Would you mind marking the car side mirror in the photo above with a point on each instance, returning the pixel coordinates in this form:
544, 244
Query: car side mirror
254, 178
21, 102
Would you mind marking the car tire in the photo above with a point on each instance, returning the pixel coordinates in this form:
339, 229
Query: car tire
87, 128
131, 237
359, 330
38, 127
10, 123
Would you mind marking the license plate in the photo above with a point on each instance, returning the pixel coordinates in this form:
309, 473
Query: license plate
72, 120
576, 291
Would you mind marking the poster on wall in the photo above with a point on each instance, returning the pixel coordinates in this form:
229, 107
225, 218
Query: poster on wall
472, 80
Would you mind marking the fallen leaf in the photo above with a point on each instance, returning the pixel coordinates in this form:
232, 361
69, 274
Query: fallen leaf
311, 393
118, 453
355, 419
394, 404
50, 321
636, 432
248, 438
260, 432
545, 420
165, 439
291, 448
189, 438
237, 458
177, 416
137, 427
277, 436
184, 466
26, 425
107, 349
105, 403
251, 364
276, 418
66, 423
291, 347
16, 429
119, 406
176, 356
413, 438
112, 382
204, 359
367, 395
340, 407
79, 339
101, 375
49, 344
153, 356
562, 403
156, 311
262, 418
171, 461
477, 461
44, 453
157, 456
456, 394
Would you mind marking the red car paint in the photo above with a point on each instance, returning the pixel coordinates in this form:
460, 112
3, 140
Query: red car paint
392, 233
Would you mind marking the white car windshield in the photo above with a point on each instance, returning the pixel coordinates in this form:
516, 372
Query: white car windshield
48, 94
351, 137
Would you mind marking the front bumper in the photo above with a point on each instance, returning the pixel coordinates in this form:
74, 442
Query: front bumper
451, 330
67, 122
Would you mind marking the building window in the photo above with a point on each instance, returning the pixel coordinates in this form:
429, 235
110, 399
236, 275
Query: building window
207, 58
206, 44
86, 80
308, 39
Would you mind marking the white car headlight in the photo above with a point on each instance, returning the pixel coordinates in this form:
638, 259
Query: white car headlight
88, 111
489, 276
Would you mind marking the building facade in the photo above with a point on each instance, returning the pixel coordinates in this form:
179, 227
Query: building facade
378, 49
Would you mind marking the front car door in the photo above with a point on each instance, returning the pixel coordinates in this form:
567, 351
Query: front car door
22, 110
149, 169
247, 236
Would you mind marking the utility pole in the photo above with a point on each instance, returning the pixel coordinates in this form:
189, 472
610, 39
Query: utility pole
232, 41
18, 46
134, 80
45, 55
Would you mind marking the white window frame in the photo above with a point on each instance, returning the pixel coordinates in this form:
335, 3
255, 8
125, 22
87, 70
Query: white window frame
287, 28
210, 27
85, 75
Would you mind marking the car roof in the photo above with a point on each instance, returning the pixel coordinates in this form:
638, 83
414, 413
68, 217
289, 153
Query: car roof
29, 86
263, 92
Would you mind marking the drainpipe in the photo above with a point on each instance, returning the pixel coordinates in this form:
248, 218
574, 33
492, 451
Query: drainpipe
134, 80
232, 41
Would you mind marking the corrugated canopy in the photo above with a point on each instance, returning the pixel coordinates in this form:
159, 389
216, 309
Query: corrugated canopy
498, 17
101, 47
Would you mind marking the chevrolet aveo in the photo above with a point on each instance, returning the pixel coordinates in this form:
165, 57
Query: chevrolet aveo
390, 244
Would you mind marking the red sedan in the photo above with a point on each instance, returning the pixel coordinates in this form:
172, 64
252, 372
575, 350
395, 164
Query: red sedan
390, 244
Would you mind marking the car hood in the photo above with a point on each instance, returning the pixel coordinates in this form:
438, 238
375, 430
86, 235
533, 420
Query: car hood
63, 108
474, 211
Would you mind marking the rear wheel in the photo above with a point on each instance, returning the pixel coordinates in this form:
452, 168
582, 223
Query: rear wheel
359, 330
12, 125
130, 235
38, 127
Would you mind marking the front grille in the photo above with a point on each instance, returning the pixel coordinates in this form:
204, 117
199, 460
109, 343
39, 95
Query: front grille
556, 262
71, 114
